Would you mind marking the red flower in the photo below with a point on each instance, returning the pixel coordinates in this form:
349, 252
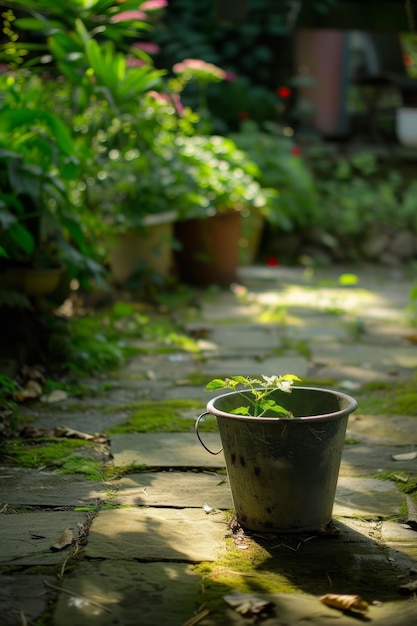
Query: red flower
408, 60
296, 151
272, 261
243, 115
284, 92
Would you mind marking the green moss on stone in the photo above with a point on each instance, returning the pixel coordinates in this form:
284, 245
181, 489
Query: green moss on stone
175, 415
388, 398
40, 451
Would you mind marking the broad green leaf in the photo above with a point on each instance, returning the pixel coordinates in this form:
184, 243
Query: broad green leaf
217, 383
22, 238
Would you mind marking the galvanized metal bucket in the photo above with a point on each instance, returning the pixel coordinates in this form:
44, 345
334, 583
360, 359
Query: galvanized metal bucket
283, 472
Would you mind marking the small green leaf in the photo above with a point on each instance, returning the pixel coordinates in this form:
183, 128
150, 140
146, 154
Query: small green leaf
242, 410
348, 279
240, 379
290, 377
217, 383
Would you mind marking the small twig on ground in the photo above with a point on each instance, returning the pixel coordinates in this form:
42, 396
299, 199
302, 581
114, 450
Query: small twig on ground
197, 618
22, 616
76, 595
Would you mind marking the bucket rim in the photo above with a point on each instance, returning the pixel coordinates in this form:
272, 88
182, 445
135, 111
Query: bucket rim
351, 406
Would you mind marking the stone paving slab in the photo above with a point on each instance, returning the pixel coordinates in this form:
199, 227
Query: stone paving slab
166, 450
25, 487
184, 450
157, 534
367, 497
243, 366
177, 489
128, 594
389, 430
368, 459
318, 329
27, 538
24, 598
365, 355
258, 337
365, 373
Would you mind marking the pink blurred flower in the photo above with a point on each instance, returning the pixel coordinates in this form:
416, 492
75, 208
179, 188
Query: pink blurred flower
154, 5
162, 97
200, 70
174, 100
147, 46
135, 63
124, 16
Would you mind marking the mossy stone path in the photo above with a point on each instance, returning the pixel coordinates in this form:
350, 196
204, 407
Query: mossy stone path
153, 537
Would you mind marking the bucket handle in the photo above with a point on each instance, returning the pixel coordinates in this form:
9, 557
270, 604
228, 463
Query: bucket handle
198, 434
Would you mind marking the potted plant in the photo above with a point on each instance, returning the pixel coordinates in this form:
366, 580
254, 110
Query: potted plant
135, 212
283, 447
283, 172
96, 78
138, 184
40, 230
226, 192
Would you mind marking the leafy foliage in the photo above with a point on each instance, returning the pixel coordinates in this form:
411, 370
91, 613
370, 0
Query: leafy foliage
259, 390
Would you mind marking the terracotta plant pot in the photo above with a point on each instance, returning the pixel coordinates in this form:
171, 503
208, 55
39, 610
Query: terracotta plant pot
209, 249
149, 246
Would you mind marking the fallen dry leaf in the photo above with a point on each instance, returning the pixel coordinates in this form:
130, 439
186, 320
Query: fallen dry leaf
32, 432
247, 604
345, 602
406, 456
57, 395
329, 531
70, 433
35, 372
64, 431
409, 587
31, 390
65, 539
197, 618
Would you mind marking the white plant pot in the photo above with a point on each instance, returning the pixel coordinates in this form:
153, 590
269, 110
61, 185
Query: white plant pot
406, 126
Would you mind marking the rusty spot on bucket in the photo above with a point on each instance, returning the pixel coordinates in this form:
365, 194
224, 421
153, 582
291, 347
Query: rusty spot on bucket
257, 470
242, 461
233, 458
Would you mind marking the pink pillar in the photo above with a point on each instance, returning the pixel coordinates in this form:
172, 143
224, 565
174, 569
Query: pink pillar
319, 55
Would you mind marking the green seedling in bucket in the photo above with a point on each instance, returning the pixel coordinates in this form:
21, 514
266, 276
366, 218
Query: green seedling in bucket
257, 392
